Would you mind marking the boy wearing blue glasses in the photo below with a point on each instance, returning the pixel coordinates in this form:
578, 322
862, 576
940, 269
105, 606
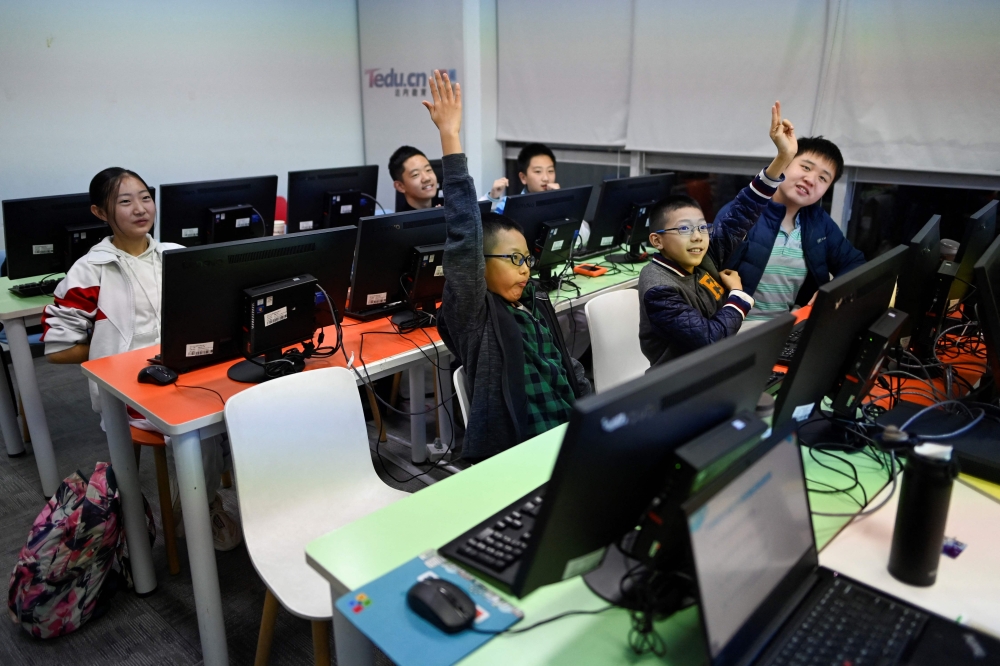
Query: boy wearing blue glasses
685, 301
521, 379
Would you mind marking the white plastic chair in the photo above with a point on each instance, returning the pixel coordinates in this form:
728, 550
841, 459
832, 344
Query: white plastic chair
461, 390
613, 320
303, 468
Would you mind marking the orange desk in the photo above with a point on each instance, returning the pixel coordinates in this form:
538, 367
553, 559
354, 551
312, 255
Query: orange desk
189, 415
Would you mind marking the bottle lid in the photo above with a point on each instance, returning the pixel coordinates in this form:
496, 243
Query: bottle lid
933, 451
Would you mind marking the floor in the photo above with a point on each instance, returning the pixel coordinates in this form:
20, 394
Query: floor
161, 628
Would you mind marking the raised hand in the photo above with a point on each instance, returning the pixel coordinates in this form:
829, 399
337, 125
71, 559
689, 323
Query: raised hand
499, 187
783, 133
446, 110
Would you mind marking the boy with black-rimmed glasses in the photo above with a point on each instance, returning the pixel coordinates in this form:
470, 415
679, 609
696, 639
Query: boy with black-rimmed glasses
521, 380
685, 301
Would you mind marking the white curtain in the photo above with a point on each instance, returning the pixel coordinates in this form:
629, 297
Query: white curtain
915, 85
564, 71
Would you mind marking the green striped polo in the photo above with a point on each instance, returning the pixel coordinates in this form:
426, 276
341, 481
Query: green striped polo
785, 272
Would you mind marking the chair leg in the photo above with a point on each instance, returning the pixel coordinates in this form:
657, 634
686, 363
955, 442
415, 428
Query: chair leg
321, 642
166, 509
227, 480
376, 412
25, 434
266, 635
394, 392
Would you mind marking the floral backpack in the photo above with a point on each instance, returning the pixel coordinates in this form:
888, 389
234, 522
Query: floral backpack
74, 560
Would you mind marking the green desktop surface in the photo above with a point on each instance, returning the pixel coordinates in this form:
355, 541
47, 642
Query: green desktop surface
372, 546
12, 306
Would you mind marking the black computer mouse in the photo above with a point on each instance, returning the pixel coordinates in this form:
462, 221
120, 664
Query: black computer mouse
157, 374
443, 604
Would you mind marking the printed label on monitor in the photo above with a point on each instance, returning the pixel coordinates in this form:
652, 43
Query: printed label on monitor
584, 563
199, 349
557, 245
346, 208
42, 249
607, 240
377, 299
281, 314
803, 412
242, 222
270, 301
439, 271
189, 233
305, 225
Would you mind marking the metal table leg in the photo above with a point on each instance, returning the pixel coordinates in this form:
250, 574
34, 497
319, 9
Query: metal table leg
34, 413
418, 422
127, 475
201, 549
445, 413
8, 417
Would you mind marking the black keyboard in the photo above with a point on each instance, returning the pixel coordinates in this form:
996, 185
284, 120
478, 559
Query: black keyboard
791, 343
43, 288
847, 624
494, 548
775, 377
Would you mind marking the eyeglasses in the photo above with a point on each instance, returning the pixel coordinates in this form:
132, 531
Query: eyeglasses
688, 229
516, 258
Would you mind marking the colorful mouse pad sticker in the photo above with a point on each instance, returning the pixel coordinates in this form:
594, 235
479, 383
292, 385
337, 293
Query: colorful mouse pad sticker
379, 611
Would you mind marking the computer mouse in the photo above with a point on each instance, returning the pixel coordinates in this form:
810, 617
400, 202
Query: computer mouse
157, 374
443, 604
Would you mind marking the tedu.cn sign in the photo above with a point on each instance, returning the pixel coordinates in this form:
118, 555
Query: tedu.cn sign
405, 84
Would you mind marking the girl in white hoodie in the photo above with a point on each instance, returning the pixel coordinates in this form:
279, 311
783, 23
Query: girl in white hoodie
109, 303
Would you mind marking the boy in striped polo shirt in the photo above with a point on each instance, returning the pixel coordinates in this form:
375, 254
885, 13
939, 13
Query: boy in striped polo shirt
683, 306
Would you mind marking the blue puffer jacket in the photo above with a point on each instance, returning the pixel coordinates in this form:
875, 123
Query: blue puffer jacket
825, 249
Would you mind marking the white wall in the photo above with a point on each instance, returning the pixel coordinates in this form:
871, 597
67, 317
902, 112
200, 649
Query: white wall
176, 91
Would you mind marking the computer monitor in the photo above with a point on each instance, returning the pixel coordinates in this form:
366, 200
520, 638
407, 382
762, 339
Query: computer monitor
384, 255
325, 198
551, 221
987, 281
913, 294
615, 204
196, 213
203, 289
45, 235
618, 450
845, 307
980, 229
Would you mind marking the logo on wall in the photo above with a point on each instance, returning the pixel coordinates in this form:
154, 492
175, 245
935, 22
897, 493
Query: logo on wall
405, 84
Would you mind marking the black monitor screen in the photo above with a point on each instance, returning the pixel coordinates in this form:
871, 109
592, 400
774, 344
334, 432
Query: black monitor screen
615, 203
987, 282
980, 229
184, 207
913, 295
203, 289
307, 191
845, 307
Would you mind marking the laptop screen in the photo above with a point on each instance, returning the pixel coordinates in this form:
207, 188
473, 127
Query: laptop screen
747, 537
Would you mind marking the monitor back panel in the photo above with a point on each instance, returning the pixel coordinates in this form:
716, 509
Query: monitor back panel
184, 216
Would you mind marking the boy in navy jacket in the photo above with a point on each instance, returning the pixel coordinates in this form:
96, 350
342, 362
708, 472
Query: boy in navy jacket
683, 306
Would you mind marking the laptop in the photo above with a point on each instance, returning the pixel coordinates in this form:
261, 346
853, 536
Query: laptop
773, 604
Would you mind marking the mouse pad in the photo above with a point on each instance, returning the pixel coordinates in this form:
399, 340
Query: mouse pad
378, 609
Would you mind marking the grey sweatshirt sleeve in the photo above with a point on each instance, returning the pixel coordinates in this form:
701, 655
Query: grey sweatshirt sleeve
464, 304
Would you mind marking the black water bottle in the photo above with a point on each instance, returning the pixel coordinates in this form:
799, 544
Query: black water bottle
924, 496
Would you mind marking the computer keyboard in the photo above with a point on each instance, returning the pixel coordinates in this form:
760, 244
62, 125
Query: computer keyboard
496, 546
791, 344
849, 625
775, 377
42, 288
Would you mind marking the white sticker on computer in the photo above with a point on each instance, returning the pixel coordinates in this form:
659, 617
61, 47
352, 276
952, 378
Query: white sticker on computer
346, 208
377, 299
199, 349
191, 232
439, 271
281, 314
242, 222
584, 563
803, 412
607, 240
305, 225
43, 249
270, 301
557, 245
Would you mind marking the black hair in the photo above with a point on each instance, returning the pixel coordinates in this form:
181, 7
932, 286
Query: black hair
493, 224
667, 205
533, 150
817, 145
104, 189
399, 158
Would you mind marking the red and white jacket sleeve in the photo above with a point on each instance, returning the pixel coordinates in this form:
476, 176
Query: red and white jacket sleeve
69, 321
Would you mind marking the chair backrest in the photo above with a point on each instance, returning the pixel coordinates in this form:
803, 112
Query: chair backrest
462, 392
613, 320
280, 208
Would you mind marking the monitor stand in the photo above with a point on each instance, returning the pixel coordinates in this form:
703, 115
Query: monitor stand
635, 255
606, 580
545, 280
819, 432
248, 372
